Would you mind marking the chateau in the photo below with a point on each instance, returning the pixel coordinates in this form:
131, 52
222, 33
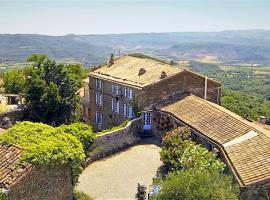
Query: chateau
167, 97
116, 91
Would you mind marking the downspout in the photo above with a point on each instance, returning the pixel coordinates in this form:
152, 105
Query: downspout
205, 88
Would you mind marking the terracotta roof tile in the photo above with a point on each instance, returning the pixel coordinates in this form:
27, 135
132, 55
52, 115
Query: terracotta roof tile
126, 70
11, 169
247, 153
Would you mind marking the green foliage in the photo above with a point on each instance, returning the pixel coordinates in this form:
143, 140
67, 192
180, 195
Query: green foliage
46, 145
81, 131
174, 144
78, 195
136, 107
249, 107
247, 89
113, 128
195, 184
199, 158
141, 192
51, 92
13, 81
180, 153
77, 73
3, 196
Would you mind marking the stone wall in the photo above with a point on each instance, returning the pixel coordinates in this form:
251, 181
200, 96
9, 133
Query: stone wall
44, 183
13, 115
258, 192
115, 141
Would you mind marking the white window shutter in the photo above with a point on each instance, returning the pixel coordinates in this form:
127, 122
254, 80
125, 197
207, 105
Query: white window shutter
112, 104
100, 118
117, 106
96, 117
100, 99
112, 88
125, 110
96, 98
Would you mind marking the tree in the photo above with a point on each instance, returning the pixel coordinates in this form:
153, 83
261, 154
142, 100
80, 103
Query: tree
77, 72
13, 81
141, 192
51, 92
194, 184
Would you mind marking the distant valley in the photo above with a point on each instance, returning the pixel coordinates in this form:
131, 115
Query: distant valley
228, 47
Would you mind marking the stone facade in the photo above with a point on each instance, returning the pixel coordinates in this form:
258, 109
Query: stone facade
110, 118
146, 97
115, 141
258, 192
46, 183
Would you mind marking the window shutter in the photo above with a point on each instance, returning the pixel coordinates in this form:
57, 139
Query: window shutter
96, 117
112, 104
100, 99
117, 107
112, 88
96, 98
125, 110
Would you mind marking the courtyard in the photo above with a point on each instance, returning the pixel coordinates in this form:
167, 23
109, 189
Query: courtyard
116, 177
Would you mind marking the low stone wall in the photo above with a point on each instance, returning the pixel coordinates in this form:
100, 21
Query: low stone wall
112, 142
13, 115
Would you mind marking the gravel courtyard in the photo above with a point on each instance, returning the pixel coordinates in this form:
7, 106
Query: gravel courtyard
116, 177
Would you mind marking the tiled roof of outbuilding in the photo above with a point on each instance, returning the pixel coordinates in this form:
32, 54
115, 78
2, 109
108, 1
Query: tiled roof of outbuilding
246, 149
11, 169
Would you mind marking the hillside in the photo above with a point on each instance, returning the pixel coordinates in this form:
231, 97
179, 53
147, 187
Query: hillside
250, 46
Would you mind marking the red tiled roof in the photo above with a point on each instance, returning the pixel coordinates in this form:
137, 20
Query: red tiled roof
11, 168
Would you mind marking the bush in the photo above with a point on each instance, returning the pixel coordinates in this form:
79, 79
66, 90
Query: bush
194, 184
81, 131
180, 153
78, 195
46, 145
173, 145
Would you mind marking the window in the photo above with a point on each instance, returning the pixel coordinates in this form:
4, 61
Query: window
130, 112
116, 89
115, 105
128, 93
98, 99
98, 84
98, 118
125, 110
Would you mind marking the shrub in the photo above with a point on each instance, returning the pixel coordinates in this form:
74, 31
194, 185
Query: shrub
200, 158
194, 184
81, 131
173, 145
179, 152
46, 145
78, 195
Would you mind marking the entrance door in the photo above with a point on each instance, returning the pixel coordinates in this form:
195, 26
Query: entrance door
146, 121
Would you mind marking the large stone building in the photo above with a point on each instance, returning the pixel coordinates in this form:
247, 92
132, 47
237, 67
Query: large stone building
118, 90
22, 181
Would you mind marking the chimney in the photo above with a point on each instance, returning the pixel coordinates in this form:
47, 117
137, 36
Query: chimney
141, 71
262, 120
205, 88
163, 75
111, 60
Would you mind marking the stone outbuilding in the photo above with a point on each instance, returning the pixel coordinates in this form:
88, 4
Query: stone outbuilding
24, 181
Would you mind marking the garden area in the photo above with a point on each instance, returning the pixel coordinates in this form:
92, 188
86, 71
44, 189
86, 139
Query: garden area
193, 171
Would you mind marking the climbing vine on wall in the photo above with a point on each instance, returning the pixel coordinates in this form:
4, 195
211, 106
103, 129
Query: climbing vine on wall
46, 145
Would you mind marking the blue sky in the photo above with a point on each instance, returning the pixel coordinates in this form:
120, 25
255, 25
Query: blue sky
59, 17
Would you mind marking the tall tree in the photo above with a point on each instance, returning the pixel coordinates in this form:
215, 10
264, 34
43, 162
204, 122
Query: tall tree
50, 92
13, 81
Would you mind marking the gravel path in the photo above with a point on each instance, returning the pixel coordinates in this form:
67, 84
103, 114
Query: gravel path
116, 177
